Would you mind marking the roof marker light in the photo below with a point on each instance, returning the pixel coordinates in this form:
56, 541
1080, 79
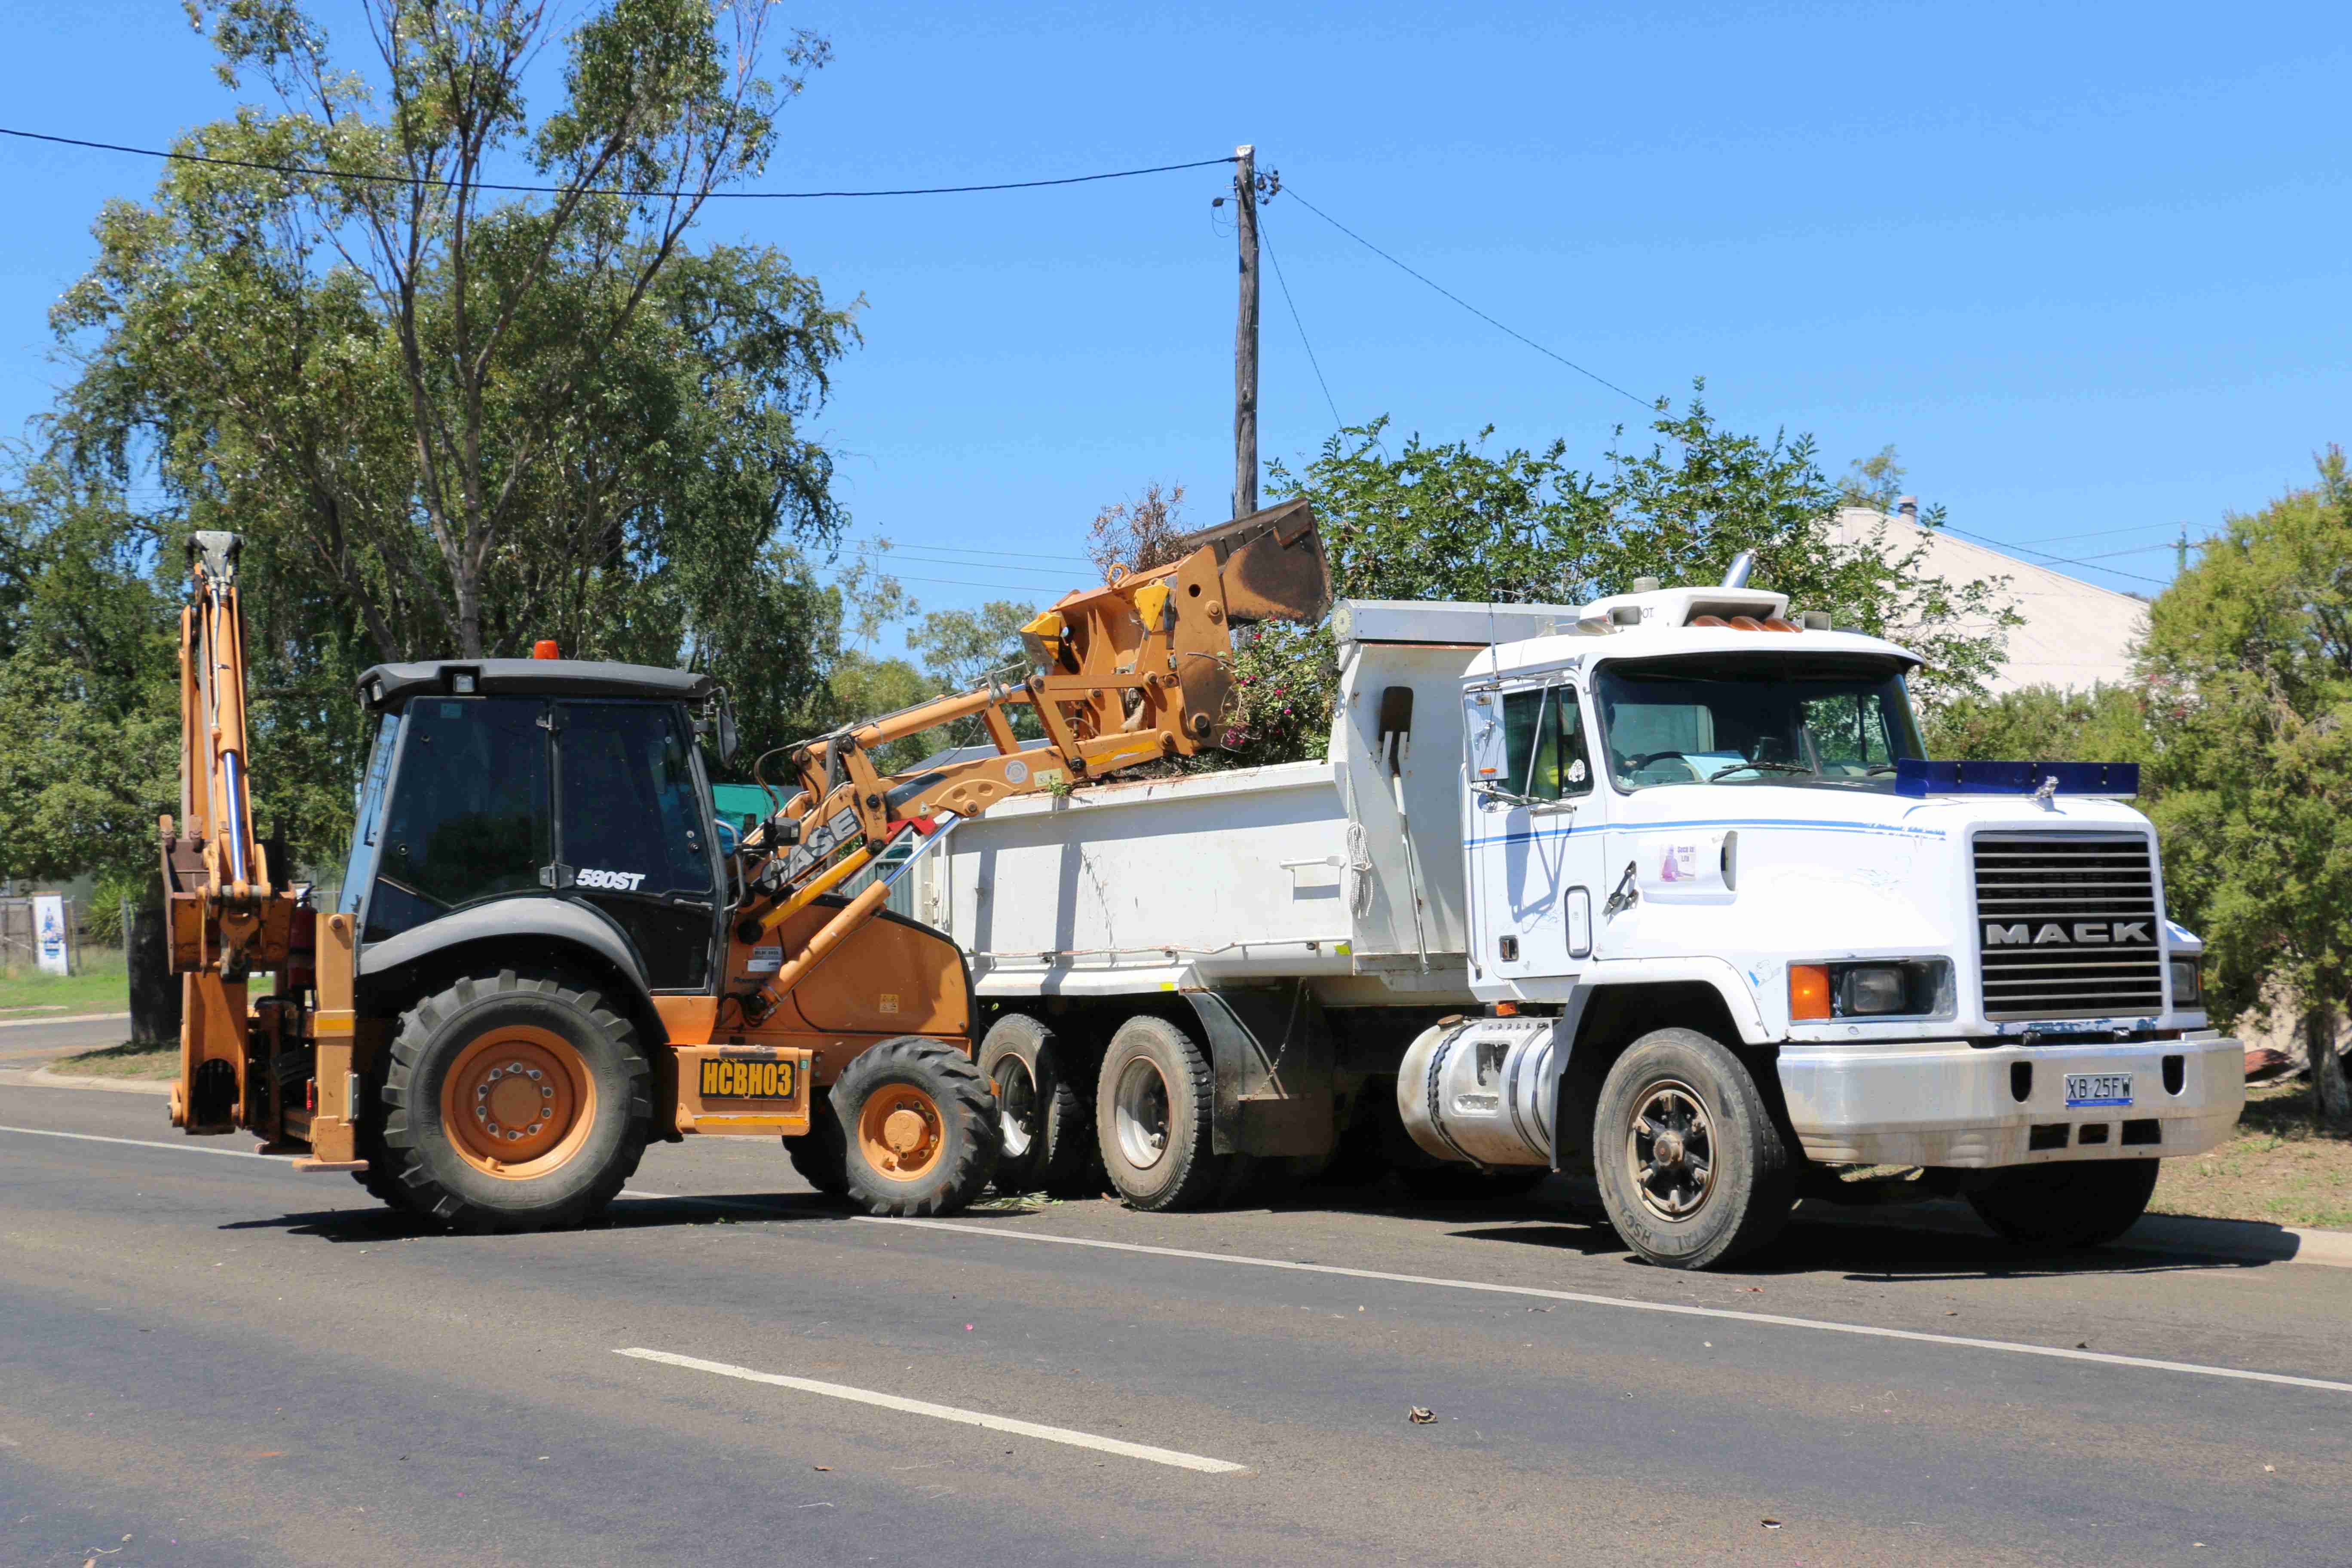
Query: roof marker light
544, 648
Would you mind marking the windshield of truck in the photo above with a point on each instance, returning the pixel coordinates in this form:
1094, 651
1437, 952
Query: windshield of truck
1813, 722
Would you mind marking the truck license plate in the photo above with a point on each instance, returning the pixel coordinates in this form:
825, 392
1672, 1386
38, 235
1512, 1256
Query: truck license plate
735, 1078
2098, 1089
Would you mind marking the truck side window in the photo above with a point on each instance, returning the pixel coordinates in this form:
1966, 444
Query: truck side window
1543, 744
469, 818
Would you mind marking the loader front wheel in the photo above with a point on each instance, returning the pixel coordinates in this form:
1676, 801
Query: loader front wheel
919, 1127
512, 1103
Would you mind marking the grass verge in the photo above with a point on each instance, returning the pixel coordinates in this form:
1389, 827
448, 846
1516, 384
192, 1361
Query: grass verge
2277, 1167
130, 1060
102, 986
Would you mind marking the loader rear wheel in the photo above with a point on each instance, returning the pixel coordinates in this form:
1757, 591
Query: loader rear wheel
919, 1127
1153, 1106
512, 1103
1048, 1145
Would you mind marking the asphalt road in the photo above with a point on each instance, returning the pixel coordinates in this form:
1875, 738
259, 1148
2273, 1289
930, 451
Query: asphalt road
28, 1044
206, 1358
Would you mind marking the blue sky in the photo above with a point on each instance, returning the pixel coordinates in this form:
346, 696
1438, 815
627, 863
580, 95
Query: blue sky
2086, 266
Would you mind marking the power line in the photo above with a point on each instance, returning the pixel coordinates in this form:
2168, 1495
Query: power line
870, 542
1268, 235
413, 180
2056, 560
1385, 256
2108, 533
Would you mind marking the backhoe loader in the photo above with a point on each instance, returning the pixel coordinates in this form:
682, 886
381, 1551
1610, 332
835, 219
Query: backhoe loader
548, 952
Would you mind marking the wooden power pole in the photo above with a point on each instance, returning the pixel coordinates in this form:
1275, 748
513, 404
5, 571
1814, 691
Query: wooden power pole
1246, 335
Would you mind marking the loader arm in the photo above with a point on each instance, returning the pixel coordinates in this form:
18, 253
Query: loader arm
226, 909
1134, 671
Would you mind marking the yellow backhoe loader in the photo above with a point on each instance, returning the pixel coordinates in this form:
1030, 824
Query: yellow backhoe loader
548, 951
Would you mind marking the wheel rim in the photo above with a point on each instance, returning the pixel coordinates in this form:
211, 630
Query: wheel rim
1016, 1099
900, 1132
517, 1102
1670, 1151
1140, 1110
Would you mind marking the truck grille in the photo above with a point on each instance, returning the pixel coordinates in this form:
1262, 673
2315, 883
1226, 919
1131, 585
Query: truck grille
2067, 925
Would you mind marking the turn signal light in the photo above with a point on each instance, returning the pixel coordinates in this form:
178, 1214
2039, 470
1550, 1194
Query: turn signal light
1809, 991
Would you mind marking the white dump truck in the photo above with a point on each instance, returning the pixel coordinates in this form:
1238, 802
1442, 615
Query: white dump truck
1660, 890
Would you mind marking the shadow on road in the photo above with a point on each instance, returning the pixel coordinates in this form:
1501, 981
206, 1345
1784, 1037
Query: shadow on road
628, 1212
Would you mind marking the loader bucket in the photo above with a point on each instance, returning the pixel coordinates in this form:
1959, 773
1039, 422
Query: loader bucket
1270, 564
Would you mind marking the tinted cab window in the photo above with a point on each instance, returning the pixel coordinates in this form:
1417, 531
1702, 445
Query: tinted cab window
632, 830
469, 818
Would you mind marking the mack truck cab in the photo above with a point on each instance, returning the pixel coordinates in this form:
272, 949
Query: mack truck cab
1749, 937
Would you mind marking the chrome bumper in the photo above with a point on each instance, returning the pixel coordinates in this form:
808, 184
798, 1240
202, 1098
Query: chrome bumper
1947, 1102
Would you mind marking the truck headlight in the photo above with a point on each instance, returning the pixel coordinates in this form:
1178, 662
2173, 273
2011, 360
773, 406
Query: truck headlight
2188, 983
1916, 988
1873, 988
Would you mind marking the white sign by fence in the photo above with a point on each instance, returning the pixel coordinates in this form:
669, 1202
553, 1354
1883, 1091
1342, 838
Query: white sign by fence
50, 944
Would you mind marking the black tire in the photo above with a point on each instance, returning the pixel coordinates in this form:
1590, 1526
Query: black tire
1684, 1212
436, 1168
367, 1141
821, 1154
952, 1137
1156, 1151
2065, 1205
1049, 1145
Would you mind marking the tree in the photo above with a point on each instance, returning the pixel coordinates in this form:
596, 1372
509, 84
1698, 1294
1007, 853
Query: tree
2043, 724
1874, 481
1140, 534
2248, 668
1454, 521
960, 648
451, 420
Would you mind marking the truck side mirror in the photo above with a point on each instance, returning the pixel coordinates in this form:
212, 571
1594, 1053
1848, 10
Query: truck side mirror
724, 735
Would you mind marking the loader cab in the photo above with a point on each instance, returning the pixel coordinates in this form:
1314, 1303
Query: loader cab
493, 780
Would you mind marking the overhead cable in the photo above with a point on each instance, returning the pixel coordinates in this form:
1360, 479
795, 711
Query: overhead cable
1265, 235
1513, 332
414, 180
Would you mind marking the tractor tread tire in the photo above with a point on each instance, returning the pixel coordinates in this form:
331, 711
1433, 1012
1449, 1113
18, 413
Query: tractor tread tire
820, 1155
973, 1135
428, 1178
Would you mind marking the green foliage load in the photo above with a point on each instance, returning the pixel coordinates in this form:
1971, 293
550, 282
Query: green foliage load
1456, 521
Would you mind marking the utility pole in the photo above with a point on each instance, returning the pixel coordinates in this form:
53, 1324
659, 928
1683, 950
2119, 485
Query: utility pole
2181, 553
1245, 334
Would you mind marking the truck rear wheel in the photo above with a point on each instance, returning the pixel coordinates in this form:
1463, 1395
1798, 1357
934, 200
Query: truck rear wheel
919, 1127
2067, 1204
1048, 1146
1154, 1102
1693, 1170
512, 1103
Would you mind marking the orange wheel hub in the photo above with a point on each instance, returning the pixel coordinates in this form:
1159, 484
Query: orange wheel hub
517, 1101
900, 1132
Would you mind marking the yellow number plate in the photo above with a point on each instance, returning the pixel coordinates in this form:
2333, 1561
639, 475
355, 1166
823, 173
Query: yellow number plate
740, 1079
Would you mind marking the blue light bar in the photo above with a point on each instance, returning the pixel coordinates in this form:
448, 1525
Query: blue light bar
1914, 776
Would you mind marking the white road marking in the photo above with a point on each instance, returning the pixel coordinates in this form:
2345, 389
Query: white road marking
144, 1143
1583, 1298
1181, 1461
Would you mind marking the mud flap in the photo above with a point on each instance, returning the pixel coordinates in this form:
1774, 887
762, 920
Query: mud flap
1271, 1051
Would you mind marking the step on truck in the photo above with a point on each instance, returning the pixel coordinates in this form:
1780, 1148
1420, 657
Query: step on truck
1660, 891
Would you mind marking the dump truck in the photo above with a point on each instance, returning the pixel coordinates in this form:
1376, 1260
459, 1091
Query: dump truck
1661, 891
548, 951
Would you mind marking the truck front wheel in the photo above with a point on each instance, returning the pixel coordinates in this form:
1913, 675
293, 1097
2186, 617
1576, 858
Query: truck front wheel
919, 1127
512, 1103
1691, 1170
2067, 1205
1153, 1104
